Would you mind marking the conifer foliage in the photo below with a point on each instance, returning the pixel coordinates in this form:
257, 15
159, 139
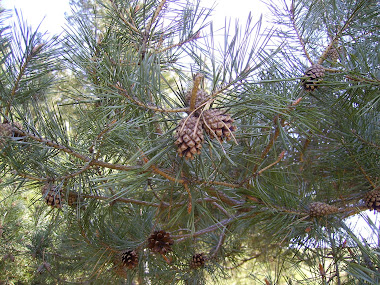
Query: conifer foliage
168, 158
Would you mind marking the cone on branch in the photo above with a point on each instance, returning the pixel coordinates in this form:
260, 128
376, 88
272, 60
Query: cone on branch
189, 137
320, 209
198, 260
333, 54
372, 200
314, 74
53, 195
129, 259
7, 131
160, 242
74, 199
218, 125
201, 97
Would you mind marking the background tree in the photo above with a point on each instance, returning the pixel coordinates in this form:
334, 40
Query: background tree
168, 158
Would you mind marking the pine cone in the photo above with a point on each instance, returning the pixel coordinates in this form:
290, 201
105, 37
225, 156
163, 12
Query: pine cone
218, 125
202, 96
372, 200
319, 209
73, 199
198, 260
160, 241
315, 74
130, 259
333, 54
53, 195
189, 137
7, 131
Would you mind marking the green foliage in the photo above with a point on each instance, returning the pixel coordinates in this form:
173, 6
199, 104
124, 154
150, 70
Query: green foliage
95, 114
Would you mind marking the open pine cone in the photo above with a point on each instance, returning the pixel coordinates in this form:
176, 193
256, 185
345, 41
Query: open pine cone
314, 74
218, 125
53, 195
129, 258
189, 137
320, 209
160, 241
372, 200
198, 260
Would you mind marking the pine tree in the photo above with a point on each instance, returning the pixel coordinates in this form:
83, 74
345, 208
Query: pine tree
149, 154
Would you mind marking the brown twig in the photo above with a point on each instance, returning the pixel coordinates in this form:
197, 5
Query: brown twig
293, 20
244, 261
150, 106
219, 245
280, 157
73, 153
124, 20
189, 202
365, 141
127, 200
194, 91
192, 38
17, 82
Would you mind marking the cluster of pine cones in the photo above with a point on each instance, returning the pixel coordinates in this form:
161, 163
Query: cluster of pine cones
189, 135
158, 242
54, 196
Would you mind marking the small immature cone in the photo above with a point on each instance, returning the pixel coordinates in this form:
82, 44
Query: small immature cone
189, 137
160, 242
372, 200
314, 74
202, 96
320, 209
218, 125
7, 131
198, 260
129, 258
53, 195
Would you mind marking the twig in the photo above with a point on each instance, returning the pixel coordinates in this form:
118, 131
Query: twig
244, 261
361, 168
293, 20
208, 229
192, 38
156, 14
124, 20
194, 91
280, 157
363, 140
150, 106
220, 242
73, 153
189, 203
127, 200
18, 79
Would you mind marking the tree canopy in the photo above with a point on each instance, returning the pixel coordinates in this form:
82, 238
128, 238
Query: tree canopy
138, 149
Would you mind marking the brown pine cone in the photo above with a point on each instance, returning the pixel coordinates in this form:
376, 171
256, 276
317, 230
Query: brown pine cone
218, 125
202, 97
160, 241
314, 74
320, 209
372, 200
74, 199
53, 195
130, 259
7, 131
198, 260
189, 137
